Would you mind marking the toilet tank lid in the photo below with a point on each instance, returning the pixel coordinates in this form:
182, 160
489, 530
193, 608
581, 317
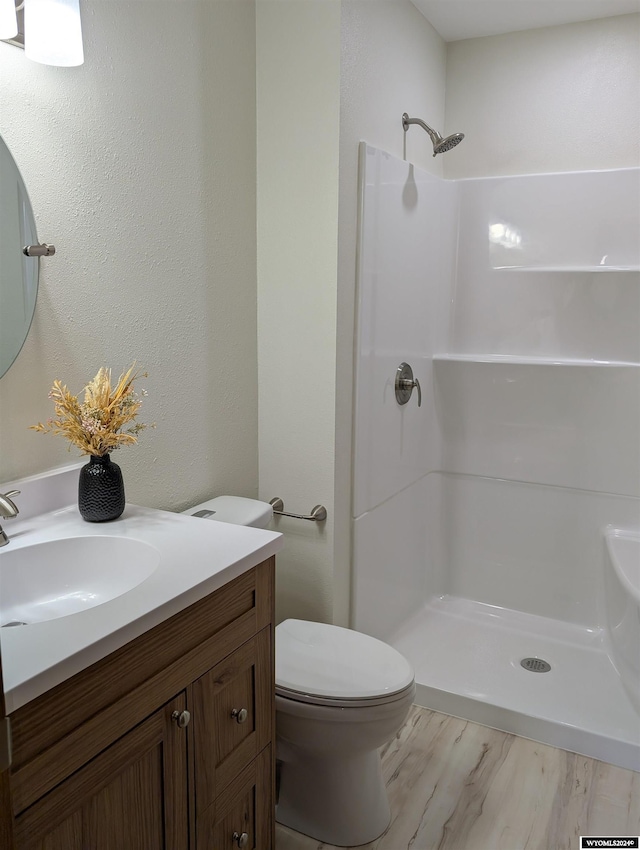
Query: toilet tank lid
328, 661
235, 509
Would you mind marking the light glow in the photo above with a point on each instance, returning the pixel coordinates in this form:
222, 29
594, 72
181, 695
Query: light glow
504, 235
53, 32
8, 19
85, 597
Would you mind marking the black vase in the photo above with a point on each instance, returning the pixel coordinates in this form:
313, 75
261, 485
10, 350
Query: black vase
100, 490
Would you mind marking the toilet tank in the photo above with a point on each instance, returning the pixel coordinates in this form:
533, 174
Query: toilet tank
234, 509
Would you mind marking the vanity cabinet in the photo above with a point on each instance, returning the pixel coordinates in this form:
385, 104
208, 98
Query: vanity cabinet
166, 744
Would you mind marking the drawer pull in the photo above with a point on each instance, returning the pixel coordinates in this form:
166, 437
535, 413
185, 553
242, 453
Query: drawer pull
182, 718
241, 838
240, 715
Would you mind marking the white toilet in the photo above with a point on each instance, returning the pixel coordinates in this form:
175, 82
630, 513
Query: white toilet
340, 695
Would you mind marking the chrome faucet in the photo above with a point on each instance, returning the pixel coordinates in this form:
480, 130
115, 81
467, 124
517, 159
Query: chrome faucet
7, 510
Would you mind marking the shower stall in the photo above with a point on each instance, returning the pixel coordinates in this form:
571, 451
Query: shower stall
481, 517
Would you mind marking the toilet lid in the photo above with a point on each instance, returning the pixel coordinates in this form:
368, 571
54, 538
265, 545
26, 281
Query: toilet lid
332, 662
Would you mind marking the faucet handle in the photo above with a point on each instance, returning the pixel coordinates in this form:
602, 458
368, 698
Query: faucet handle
7, 505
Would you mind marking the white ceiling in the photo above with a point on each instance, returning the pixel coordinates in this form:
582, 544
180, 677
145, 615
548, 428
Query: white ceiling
457, 19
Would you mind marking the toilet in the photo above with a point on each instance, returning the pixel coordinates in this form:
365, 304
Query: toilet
340, 695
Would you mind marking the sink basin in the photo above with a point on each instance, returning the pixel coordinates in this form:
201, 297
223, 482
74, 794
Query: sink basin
56, 578
90, 588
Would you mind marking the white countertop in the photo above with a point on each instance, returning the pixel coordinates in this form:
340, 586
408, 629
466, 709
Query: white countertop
197, 556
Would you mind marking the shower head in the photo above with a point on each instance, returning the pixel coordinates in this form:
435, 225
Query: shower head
446, 144
440, 145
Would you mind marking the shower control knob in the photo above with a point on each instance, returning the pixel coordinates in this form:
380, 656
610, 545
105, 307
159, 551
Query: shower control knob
241, 838
240, 714
405, 382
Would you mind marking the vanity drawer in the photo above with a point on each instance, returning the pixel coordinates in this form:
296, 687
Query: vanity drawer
245, 808
232, 716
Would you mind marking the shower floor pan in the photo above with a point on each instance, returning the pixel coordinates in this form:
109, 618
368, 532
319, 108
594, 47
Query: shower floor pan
467, 658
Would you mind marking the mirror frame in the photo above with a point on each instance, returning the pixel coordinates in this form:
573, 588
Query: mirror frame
24, 290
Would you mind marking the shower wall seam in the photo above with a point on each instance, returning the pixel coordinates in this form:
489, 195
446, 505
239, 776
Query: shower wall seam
443, 471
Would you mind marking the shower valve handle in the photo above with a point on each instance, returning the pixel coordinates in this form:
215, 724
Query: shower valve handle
405, 382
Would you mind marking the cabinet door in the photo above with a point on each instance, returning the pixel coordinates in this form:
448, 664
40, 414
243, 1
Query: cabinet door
242, 816
232, 716
133, 795
6, 819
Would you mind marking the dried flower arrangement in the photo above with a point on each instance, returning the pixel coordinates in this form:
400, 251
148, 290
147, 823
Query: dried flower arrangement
96, 425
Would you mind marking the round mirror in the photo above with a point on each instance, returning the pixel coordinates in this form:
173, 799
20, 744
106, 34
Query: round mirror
18, 273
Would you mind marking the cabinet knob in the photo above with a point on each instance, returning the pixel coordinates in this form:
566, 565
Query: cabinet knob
241, 838
182, 718
240, 715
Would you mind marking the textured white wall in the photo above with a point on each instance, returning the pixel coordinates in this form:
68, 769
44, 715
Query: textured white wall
298, 67
393, 61
141, 169
564, 98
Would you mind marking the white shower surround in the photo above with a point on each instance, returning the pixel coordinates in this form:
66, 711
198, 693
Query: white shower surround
479, 518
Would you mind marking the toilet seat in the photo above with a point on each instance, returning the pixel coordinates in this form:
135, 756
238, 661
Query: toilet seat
334, 702
329, 665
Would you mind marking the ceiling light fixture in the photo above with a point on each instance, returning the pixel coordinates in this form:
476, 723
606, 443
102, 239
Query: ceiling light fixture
8, 19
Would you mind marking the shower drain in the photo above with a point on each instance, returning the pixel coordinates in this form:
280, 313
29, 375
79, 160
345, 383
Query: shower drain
535, 665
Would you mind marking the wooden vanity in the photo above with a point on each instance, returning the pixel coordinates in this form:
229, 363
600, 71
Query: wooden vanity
167, 742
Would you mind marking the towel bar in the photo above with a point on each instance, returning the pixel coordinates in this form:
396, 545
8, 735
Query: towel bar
318, 513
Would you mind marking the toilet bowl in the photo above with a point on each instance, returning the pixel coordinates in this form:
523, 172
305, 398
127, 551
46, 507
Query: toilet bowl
340, 695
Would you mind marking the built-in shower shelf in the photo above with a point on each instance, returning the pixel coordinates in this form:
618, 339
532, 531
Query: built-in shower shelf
515, 360
571, 269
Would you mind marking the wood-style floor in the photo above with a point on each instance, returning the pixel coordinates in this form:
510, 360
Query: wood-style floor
455, 785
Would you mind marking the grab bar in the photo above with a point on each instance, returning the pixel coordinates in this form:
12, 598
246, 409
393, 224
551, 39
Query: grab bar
318, 513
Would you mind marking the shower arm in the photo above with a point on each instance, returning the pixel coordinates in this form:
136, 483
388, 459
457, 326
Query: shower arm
406, 121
